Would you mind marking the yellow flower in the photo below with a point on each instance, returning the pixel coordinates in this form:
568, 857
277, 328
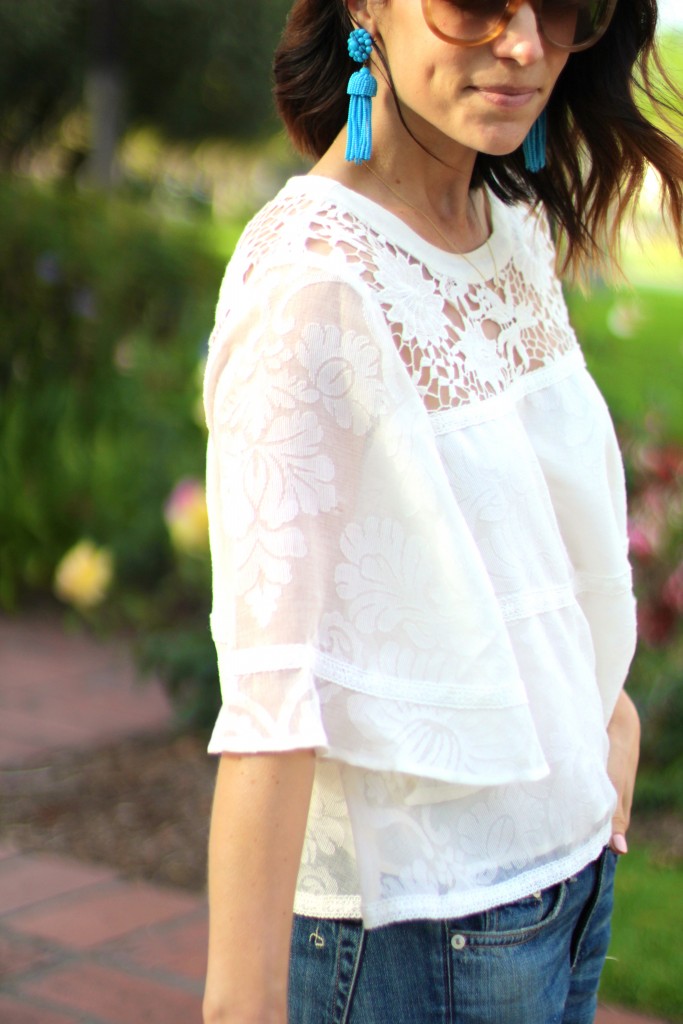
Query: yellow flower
84, 575
187, 518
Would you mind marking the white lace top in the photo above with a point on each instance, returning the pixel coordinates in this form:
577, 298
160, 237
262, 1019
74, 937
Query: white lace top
419, 550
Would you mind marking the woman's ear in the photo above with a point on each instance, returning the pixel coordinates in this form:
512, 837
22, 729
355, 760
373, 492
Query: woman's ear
360, 14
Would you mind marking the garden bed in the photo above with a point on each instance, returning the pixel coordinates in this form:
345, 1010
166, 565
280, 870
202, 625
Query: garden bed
141, 806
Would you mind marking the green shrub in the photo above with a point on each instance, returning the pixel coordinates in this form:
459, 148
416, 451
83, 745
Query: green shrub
185, 659
105, 311
633, 344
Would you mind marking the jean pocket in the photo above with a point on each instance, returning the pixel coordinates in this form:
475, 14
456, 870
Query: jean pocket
323, 967
593, 928
510, 923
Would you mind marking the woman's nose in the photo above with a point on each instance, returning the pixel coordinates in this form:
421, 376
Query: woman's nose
521, 39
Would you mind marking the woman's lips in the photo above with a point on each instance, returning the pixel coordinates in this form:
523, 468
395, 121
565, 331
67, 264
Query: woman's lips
505, 96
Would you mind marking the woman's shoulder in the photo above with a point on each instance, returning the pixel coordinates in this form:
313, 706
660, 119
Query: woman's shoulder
291, 220
298, 231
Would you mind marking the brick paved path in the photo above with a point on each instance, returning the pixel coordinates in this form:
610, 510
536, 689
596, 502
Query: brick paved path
79, 944
62, 690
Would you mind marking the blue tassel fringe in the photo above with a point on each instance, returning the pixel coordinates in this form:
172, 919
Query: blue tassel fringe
361, 89
535, 144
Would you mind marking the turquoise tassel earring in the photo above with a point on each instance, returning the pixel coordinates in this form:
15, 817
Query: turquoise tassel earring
534, 145
361, 88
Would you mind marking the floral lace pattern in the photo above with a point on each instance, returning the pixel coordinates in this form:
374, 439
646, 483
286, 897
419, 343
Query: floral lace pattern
462, 338
273, 438
418, 535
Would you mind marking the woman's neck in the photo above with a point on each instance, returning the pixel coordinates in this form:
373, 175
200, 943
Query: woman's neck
434, 199
427, 183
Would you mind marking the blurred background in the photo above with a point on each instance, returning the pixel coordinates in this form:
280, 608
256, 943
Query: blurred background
136, 138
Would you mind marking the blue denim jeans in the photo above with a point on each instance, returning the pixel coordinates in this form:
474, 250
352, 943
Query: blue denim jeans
535, 961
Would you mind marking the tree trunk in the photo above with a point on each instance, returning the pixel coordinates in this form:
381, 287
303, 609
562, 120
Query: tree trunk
104, 92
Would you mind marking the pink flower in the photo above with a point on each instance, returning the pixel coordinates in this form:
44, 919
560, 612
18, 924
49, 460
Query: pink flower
186, 517
663, 461
639, 543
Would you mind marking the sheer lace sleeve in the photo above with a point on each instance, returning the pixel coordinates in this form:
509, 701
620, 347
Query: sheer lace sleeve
352, 612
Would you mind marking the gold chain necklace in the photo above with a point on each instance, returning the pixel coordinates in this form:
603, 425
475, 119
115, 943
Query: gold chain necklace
438, 230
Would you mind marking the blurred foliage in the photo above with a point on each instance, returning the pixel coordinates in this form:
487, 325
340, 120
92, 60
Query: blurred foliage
42, 65
185, 659
668, 84
656, 678
197, 68
190, 68
633, 342
105, 313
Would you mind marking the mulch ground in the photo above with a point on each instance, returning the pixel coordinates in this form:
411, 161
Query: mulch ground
142, 806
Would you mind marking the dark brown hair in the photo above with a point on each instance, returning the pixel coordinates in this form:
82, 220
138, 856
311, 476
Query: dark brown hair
600, 133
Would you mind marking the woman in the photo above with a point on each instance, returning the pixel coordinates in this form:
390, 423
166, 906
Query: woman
422, 604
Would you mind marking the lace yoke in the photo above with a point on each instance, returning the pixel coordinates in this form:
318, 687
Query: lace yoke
465, 331
418, 536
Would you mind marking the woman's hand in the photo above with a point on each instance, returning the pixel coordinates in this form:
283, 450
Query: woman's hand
622, 764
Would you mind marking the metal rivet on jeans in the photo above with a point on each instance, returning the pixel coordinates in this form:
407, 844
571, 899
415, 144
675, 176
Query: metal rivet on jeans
458, 942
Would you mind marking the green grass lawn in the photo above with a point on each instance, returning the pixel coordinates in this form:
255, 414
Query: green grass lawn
633, 342
644, 970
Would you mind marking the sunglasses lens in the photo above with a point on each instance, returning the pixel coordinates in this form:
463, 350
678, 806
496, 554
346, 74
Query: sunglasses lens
566, 23
465, 21
578, 23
